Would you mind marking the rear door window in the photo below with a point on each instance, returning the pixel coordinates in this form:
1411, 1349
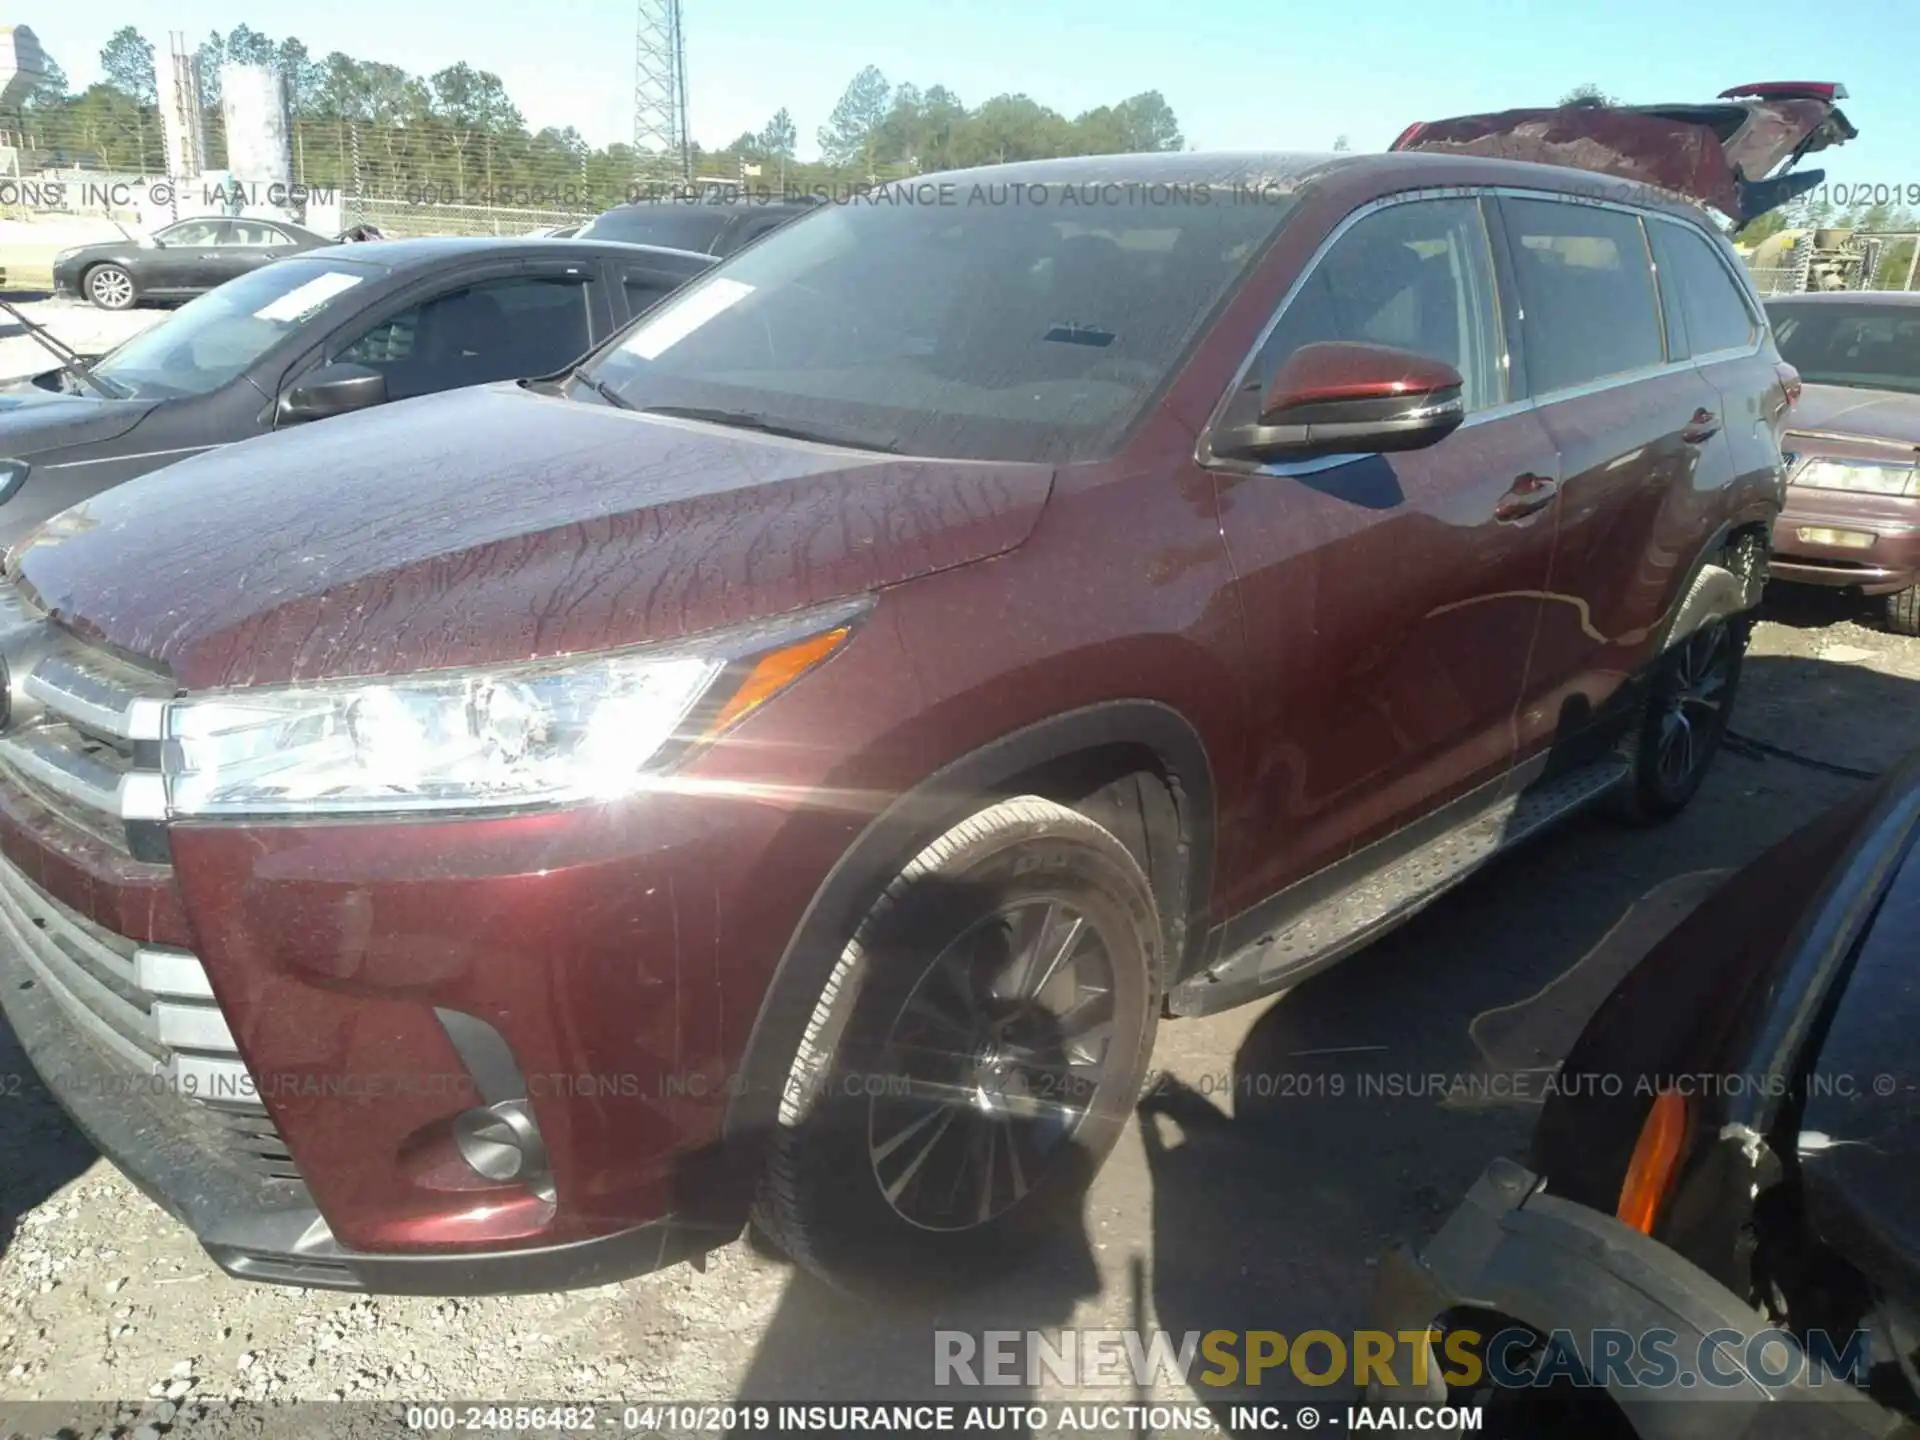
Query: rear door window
1417, 276
643, 292
1717, 314
1588, 309
497, 330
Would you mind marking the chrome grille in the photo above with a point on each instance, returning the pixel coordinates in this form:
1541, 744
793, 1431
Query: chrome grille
152, 1008
82, 732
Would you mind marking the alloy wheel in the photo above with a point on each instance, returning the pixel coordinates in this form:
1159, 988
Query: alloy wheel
991, 1065
110, 287
1695, 712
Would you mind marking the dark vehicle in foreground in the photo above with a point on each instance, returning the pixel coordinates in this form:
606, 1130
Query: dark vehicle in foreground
1853, 510
317, 335
181, 260
712, 224
1732, 1154
793, 761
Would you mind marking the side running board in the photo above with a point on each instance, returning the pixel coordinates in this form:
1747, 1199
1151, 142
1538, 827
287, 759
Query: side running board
1379, 900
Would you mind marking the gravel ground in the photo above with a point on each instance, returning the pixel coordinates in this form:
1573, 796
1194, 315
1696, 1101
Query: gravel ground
1254, 1212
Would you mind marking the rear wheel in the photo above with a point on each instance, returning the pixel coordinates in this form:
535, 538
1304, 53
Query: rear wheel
972, 1059
1903, 611
110, 287
1689, 700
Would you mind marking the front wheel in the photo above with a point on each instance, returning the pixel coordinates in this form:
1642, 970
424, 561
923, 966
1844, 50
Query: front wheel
1689, 700
972, 1059
110, 287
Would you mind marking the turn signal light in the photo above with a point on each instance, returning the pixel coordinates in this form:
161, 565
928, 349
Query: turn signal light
773, 672
1655, 1158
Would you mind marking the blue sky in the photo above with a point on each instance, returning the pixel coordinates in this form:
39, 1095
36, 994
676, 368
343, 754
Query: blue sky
1240, 74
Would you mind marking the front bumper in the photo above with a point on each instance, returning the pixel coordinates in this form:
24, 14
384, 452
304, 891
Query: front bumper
1884, 555
261, 1228
1556, 1268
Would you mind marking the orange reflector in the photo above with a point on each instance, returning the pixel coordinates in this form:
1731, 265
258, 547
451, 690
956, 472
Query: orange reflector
774, 671
1654, 1158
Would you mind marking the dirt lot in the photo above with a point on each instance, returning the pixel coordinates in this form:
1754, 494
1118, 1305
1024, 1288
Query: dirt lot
1253, 1211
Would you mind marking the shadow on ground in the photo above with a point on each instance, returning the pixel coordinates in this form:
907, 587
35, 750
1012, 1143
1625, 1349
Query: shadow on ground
1280, 1157
40, 1151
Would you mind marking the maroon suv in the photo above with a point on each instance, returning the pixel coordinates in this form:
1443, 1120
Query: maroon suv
794, 760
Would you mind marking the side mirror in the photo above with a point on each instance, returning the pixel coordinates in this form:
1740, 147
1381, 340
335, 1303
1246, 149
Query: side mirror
332, 390
1341, 397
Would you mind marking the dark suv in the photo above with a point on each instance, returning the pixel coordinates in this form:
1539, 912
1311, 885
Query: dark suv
796, 759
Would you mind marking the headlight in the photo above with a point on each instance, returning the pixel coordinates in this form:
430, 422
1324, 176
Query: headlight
13, 474
584, 729
1864, 478
63, 256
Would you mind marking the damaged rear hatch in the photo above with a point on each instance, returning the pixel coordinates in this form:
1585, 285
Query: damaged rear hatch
1735, 154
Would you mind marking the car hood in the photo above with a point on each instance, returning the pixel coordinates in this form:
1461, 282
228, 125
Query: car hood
34, 419
109, 250
1850, 410
493, 525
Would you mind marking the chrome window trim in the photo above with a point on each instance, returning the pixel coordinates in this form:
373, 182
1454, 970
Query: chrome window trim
1742, 286
1203, 453
1203, 445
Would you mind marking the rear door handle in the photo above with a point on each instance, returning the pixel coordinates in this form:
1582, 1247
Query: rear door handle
1702, 428
1530, 493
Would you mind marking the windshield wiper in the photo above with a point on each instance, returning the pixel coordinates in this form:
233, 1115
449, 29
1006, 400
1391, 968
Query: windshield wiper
68, 357
599, 387
741, 420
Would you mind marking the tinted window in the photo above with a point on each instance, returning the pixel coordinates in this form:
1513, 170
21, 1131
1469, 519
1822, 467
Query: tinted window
192, 232
500, 330
679, 225
975, 328
1874, 346
642, 294
207, 342
252, 232
1716, 312
1586, 292
1416, 276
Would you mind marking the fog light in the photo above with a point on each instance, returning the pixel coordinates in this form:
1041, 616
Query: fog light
1844, 539
502, 1143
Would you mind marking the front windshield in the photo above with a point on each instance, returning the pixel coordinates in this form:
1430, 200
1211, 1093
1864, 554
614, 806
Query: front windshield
208, 341
1871, 347
987, 322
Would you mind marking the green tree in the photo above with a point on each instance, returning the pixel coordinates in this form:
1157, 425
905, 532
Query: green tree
852, 129
778, 138
126, 60
1012, 127
1587, 94
48, 94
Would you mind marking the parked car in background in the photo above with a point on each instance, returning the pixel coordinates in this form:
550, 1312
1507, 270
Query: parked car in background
1732, 1150
555, 232
792, 761
177, 261
714, 225
327, 331
1853, 513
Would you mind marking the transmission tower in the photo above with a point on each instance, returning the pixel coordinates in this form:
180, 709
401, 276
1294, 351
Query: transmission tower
660, 95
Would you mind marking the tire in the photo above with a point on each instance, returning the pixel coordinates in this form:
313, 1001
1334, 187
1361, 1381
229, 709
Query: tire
1689, 699
110, 287
944, 1111
1903, 611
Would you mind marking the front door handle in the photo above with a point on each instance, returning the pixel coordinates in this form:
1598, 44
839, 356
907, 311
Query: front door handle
1702, 428
1530, 493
